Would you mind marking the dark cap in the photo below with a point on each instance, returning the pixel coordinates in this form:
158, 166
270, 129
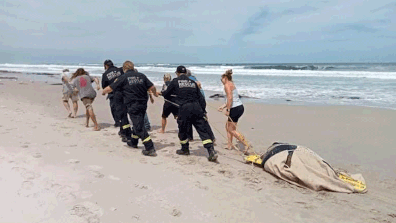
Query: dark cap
181, 70
108, 63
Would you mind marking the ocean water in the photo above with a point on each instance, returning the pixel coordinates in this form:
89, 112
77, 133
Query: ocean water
363, 84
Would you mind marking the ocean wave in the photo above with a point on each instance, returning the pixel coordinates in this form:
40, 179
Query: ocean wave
282, 67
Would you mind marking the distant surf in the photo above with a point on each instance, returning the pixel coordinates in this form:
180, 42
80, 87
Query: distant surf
363, 84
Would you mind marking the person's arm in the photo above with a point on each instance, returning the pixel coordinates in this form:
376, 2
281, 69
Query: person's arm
229, 99
201, 100
222, 107
199, 84
150, 93
104, 81
167, 93
97, 83
107, 90
153, 90
116, 84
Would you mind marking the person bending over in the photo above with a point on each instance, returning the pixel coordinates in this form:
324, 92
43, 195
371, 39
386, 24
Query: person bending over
83, 82
134, 87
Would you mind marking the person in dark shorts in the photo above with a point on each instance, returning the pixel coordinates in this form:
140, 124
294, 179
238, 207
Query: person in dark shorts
234, 108
191, 112
134, 87
168, 107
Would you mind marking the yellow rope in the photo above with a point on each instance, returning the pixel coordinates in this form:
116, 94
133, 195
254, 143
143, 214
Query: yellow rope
236, 128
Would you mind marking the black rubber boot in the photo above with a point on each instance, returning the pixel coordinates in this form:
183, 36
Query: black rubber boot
132, 143
149, 152
212, 155
184, 150
149, 149
124, 138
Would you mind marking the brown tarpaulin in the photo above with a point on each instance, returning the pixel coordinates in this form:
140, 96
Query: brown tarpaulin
301, 166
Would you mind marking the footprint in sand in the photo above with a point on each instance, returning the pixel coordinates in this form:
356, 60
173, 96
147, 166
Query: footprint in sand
89, 211
111, 177
206, 173
176, 213
27, 185
226, 173
66, 196
96, 174
200, 186
73, 161
37, 155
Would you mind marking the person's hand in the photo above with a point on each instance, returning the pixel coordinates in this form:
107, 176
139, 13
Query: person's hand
221, 108
98, 88
152, 100
103, 93
227, 113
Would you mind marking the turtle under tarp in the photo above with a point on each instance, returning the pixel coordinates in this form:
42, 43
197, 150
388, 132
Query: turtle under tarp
301, 166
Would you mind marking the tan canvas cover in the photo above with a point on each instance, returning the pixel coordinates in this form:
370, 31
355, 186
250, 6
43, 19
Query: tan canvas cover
305, 168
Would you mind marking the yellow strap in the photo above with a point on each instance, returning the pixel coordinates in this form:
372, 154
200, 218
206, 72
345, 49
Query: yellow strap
207, 141
146, 139
183, 141
135, 136
126, 126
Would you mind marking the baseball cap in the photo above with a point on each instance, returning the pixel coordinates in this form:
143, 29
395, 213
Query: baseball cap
181, 70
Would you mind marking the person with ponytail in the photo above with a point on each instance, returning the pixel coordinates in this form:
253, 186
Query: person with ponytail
234, 108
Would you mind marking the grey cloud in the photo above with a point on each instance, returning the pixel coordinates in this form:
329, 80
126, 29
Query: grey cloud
390, 6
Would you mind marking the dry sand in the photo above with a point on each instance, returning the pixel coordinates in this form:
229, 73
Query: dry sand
53, 169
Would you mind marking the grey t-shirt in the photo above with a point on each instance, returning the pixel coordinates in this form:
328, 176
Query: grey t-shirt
84, 85
66, 87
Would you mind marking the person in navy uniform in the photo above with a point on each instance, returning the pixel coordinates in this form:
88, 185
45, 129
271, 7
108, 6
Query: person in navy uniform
134, 87
191, 112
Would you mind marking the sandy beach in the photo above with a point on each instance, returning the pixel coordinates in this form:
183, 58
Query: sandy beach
54, 169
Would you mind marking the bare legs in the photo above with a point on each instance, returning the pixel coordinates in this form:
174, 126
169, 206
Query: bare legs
90, 114
75, 108
231, 132
67, 106
163, 125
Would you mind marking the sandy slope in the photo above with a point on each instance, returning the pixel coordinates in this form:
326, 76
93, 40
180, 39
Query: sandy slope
53, 169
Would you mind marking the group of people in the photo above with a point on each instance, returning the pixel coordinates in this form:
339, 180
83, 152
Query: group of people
129, 91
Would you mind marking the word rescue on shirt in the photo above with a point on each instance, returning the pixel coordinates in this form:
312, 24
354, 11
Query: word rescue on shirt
135, 80
113, 74
186, 84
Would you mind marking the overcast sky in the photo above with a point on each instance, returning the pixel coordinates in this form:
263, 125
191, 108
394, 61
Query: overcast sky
203, 31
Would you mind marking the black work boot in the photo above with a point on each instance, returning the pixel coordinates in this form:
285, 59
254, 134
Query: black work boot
149, 152
212, 155
124, 138
184, 150
132, 143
